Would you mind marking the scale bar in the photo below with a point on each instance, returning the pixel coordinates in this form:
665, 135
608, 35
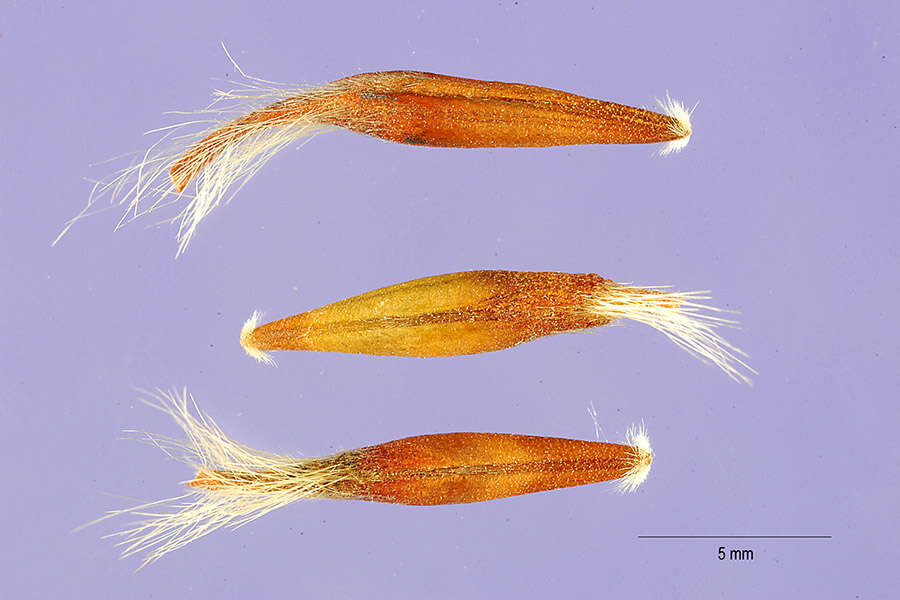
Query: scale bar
736, 537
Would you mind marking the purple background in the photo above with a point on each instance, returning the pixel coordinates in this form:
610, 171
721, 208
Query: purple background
784, 205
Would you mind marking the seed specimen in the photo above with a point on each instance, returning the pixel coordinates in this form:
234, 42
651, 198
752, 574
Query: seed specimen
246, 126
235, 484
482, 311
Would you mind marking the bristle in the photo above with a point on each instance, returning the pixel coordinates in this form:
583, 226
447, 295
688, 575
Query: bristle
246, 332
235, 484
637, 438
217, 153
681, 318
680, 127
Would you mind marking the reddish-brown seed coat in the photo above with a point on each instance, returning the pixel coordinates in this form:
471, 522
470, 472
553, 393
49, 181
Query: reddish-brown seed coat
439, 110
444, 315
450, 468
454, 468
428, 109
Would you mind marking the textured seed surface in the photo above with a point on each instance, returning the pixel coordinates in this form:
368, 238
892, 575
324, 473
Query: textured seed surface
457, 468
444, 315
440, 110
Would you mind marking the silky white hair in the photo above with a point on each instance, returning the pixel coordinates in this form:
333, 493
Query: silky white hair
639, 440
235, 484
681, 127
251, 350
227, 162
681, 317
